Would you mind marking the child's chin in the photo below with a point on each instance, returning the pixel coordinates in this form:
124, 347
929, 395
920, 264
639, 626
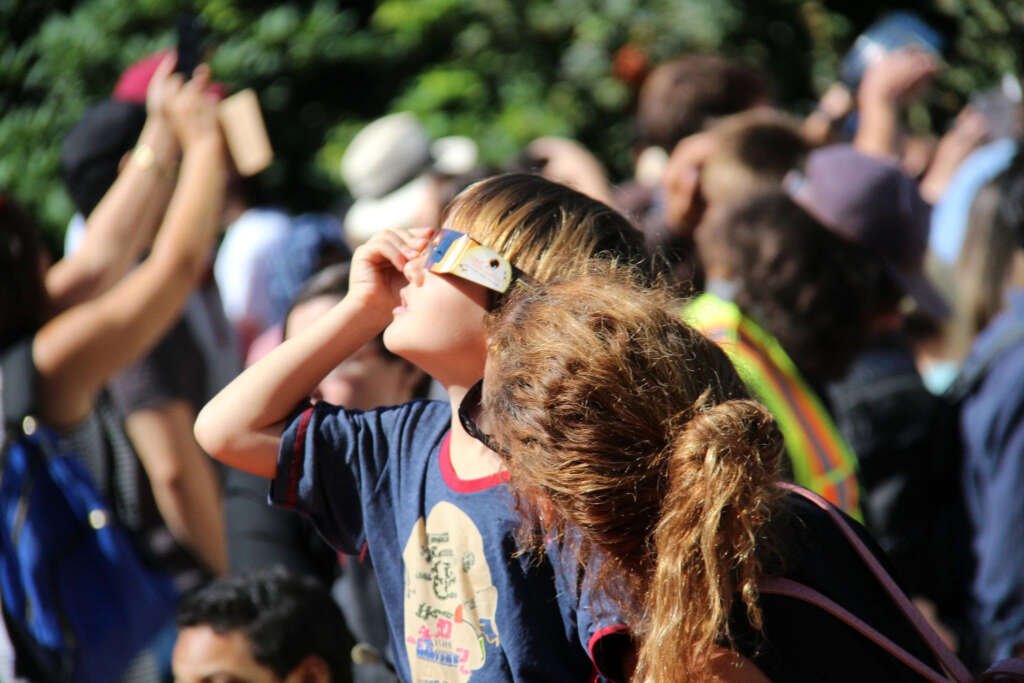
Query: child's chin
397, 340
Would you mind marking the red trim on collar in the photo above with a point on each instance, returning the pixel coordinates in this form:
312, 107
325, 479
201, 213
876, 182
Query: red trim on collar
598, 635
465, 485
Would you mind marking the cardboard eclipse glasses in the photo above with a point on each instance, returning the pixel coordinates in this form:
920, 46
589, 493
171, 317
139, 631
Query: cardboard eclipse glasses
450, 252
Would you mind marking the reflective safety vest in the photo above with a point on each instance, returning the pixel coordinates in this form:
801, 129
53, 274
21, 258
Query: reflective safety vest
821, 459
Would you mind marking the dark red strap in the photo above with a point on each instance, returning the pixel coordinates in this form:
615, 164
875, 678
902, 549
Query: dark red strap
950, 662
799, 591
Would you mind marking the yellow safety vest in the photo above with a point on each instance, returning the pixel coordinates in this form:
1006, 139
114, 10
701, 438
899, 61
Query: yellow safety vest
821, 459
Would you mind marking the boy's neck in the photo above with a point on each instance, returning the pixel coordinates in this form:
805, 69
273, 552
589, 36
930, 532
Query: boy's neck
470, 459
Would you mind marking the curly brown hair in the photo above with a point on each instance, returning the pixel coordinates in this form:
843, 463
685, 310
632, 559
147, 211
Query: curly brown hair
635, 430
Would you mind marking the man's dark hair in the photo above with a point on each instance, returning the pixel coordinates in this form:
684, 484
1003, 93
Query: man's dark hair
809, 288
682, 96
285, 617
24, 303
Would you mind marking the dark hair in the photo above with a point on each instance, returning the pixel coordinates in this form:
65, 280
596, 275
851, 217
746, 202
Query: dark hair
285, 617
91, 154
682, 96
332, 281
754, 150
24, 303
810, 289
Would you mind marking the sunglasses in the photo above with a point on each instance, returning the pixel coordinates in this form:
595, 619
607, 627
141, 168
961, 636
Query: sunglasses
451, 252
470, 406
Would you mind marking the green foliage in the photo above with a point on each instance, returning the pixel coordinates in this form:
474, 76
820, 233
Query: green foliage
500, 71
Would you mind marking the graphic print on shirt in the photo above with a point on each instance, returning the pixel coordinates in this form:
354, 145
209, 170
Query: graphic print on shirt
450, 600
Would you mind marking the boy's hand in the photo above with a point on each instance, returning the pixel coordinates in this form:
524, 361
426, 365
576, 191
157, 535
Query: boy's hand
378, 264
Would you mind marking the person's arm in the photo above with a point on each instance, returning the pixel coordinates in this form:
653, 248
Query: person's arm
241, 426
570, 163
888, 86
834, 106
998, 587
123, 223
184, 481
968, 133
76, 352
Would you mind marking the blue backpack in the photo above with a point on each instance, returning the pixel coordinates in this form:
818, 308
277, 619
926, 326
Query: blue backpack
79, 601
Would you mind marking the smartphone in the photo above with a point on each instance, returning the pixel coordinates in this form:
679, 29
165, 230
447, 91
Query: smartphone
191, 40
892, 32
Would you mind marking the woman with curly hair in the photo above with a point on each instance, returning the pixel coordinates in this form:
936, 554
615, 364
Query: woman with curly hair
632, 442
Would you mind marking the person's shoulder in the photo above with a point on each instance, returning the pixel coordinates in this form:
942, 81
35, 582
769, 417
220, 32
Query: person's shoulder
260, 225
997, 356
418, 417
423, 413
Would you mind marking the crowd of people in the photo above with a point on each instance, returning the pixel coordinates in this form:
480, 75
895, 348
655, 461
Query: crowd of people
527, 423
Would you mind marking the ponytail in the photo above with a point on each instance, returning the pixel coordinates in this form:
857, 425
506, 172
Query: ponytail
720, 470
637, 431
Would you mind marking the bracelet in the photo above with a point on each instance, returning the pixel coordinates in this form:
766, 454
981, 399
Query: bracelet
145, 157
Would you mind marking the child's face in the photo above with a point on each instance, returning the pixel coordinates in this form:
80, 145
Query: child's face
439, 325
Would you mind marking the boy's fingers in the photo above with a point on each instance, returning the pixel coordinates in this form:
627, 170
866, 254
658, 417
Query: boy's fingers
399, 240
390, 253
414, 241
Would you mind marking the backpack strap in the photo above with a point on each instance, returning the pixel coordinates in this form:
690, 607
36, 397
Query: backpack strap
949, 661
17, 391
798, 591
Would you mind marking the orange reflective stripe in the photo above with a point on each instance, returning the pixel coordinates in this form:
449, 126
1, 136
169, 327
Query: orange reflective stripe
825, 456
819, 454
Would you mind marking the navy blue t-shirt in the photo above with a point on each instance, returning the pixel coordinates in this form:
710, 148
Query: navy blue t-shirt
461, 604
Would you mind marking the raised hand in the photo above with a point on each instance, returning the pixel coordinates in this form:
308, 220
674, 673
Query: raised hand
379, 266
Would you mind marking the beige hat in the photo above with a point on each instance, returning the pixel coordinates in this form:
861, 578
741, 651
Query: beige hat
387, 169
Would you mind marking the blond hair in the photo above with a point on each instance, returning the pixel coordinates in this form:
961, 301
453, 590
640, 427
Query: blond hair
542, 227
636, 430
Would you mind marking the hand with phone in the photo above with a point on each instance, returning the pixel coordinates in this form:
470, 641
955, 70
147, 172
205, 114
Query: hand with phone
193, 111
891, 83
191, 44
970, 131
898, 78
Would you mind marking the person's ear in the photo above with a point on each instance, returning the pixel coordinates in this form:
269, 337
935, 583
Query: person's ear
312, 669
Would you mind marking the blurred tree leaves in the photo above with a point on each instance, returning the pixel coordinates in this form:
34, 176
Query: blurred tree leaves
500, 71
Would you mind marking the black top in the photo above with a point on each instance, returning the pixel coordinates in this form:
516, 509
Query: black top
801, 642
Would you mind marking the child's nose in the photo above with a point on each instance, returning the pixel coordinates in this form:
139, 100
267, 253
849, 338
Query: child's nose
413, 270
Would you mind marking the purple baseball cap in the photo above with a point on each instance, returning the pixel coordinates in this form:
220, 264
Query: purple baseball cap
872, 202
